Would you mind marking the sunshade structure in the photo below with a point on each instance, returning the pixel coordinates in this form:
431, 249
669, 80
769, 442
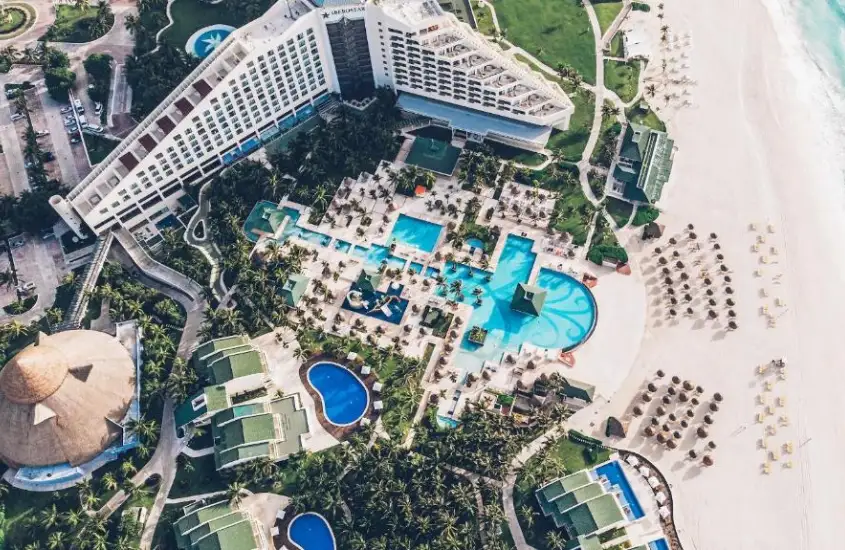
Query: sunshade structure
63, 399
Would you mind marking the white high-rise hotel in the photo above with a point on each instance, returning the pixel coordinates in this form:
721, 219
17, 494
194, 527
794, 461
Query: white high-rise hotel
278, 70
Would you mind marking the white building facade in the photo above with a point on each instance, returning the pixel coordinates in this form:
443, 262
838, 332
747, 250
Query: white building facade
274, 73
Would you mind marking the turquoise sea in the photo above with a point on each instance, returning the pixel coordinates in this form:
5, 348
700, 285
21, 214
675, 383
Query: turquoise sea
822, 24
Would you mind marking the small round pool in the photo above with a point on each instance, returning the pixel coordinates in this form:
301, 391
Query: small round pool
475, 242
345, 398
206, 40
311, 531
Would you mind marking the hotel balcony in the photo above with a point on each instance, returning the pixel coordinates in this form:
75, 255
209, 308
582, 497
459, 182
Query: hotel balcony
518, 90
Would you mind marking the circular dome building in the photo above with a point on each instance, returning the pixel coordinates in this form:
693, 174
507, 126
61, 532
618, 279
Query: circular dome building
63, 399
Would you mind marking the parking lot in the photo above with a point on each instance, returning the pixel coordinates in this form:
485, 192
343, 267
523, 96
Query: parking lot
38, 261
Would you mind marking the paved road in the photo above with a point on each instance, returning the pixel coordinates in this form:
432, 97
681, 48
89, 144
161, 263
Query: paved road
17, 180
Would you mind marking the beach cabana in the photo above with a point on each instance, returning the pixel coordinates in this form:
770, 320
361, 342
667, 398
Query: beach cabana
528, 299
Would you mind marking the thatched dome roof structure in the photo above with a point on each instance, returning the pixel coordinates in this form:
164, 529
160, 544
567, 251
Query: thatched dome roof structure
62, 398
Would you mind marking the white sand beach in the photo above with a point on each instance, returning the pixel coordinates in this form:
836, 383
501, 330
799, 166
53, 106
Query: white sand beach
757, 146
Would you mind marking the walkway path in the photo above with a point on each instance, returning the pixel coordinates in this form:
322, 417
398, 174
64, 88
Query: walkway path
205, 244
194, 498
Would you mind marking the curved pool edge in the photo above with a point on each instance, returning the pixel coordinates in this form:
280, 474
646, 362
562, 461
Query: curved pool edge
592, 297
323, 399
324, 520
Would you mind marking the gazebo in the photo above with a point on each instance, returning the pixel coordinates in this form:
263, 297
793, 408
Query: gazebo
369, 279
528, 299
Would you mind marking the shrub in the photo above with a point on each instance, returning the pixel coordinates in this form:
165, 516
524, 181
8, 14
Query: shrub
644, 215
599, 253
640, 6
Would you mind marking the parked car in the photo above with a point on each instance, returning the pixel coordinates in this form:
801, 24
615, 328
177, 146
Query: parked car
83, 121
66, 109
75, 140
28, 286
77, 103
98, 107
16, 116
72, 130
17, 242
42, 133
94, 128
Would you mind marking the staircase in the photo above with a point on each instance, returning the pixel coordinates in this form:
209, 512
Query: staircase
84, 287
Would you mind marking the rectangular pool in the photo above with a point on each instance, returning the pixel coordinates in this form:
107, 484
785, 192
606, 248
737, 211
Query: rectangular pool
659, 544
612, 472
416, 232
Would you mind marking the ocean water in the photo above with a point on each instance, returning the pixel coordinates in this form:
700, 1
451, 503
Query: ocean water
822, 24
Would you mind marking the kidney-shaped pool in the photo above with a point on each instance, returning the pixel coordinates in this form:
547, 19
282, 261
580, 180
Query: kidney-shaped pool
310, 531
345, 398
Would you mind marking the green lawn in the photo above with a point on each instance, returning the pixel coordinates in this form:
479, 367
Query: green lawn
573, 213
617, 49
191, 15
620, 211
609, 133
75, 25
646, 117
573, 141
484, 19
606, 13
202, 477
555, 32
98, 147
622, 77
573, 457
15, 18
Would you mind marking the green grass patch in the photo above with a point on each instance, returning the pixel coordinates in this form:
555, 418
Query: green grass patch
77, 25
604, 244
606, 13
98, 147
519, 156
21, 306
596, 180
484, 20
619, 210
622, 77
554, 32
644, 215
14, 19
191, 15
196, 476
573, 141
646, 117
617, 47
606, 146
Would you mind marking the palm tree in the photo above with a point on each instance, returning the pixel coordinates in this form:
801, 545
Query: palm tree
651, 89
82, 4
233, 492
555, 540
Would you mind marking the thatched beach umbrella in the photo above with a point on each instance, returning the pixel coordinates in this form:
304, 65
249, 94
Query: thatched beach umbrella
728, 278
670, 291
661, 438
683, 398
720, 256
672, 417
660, 411
676, 254
717, 246
646, 398
657, 250
649, 431
693, 236
692, 454
711, 444
699, 389
688, 297
731, 313
668, 281
667, 400
666, 271
717, 397
679, 264
729, 290
671, 444
712, 302
708, 419
732, 325
707, 281
637, 411
676, 434
730, 302
690, 311
713, 236
694, 401
655, 421
673, 241
707, 461
662, 260
684, 277
672, 313
712, 314
673, 301
665, 427
684, 423
671, 390
688, 385
714, 407
676, 380
701, 432
723, 267
660, 373
709, 292
690, 413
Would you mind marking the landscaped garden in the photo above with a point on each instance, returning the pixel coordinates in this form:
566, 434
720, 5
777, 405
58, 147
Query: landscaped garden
554, 32
573, 211
604, 244
563, 457
606, 13
191, 15
571, 142
15, 19
98, 147
484, 19
619, 210
605, 149
645, 214
80, 24
643, 114
622, 77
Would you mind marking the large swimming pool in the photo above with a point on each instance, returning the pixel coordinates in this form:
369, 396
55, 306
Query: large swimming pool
658, 544
566, 319
612, 472
310, 531
345, 399
416, 232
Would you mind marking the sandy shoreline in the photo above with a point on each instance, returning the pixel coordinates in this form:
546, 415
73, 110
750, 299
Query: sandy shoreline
753, 149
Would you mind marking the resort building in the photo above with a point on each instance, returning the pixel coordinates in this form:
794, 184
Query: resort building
64, 402
644, 164
294, 289
219, 526
582, 506
271, 430
234, 370
279, 71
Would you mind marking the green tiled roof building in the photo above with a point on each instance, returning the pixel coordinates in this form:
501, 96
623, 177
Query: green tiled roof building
216, 526
644, 163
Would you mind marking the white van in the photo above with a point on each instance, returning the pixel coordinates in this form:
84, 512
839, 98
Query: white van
78, 104
83, 121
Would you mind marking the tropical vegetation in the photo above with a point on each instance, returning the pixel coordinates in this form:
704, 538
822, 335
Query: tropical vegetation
80, 22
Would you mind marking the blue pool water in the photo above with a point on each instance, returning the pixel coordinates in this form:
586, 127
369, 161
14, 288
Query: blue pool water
612, 471
391, 299
343, 246
345, 399
659, 544
417, 267
446, 422
416, 232
566, 320
474, 242
293, 230
207, 39
311, 531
